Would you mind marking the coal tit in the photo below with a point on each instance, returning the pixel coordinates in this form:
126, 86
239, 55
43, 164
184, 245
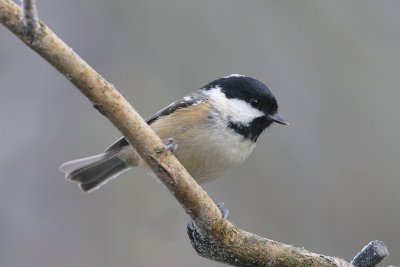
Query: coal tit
215, 128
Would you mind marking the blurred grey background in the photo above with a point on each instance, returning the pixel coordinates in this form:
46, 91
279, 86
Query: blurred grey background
329, 182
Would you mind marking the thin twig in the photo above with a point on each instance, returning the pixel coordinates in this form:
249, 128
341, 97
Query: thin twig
30, 19
232, 245
371, 255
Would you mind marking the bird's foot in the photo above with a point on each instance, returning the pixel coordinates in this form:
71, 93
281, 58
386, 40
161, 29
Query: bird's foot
170, 144
224, 211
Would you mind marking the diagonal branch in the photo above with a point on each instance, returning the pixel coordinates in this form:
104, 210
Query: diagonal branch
216, 238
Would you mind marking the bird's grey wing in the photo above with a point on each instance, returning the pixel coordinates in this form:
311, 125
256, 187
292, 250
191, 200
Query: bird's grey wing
187, 101
190, 100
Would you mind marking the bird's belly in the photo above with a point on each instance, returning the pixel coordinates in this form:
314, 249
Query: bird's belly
208, 153
206, 146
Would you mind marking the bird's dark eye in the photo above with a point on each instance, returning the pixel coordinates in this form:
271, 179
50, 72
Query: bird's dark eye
254, 103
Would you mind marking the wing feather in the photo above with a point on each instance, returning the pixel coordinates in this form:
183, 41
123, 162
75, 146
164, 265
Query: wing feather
187, 101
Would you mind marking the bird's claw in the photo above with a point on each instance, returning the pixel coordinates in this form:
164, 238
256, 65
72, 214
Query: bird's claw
192, 226
171, 145
224, 211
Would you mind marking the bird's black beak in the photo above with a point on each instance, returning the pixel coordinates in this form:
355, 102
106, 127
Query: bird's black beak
278, 118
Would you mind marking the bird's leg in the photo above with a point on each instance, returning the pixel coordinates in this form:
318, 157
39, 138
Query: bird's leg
170, 144
224, 211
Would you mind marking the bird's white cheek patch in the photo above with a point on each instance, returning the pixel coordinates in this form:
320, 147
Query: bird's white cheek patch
236, 110
242, 112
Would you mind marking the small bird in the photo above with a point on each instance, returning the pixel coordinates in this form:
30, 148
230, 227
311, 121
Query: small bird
211, 130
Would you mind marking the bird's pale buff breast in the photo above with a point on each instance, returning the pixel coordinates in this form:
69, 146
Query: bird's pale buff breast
204, 147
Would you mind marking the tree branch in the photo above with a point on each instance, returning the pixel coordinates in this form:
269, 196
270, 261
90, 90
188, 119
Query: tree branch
371, 254
30, 19
215, 237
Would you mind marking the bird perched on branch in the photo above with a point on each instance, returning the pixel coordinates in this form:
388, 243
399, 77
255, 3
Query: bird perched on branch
210, 131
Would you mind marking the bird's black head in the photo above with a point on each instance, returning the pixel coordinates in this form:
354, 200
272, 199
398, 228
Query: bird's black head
249, 106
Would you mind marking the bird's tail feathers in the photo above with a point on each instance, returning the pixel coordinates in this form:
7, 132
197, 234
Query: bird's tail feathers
93, 172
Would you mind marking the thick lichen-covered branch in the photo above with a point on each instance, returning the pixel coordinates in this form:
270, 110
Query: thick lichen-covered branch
215, 237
